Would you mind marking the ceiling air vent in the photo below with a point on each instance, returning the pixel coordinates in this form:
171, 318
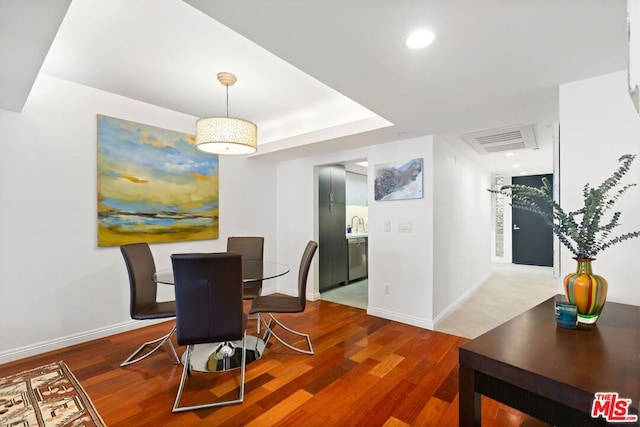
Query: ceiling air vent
504, 139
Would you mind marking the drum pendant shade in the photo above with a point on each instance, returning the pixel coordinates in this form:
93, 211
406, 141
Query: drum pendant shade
226, 135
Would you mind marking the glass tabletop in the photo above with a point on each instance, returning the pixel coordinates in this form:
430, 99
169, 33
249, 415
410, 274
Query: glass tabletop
252, 271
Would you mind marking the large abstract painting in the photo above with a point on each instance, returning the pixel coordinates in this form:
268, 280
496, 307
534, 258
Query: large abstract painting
153, 185
398, 181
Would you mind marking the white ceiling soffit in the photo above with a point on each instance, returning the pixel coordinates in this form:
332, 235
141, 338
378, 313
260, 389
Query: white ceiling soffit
519, 137
27, 29
171, 57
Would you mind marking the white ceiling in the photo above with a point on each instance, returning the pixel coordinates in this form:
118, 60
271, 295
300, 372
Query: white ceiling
320, 76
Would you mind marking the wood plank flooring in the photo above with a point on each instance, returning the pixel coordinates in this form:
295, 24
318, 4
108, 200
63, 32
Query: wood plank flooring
367, 371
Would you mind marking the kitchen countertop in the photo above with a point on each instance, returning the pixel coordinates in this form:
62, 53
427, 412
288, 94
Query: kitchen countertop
357, 235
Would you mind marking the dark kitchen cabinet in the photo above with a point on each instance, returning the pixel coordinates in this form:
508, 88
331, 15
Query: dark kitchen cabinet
332, 244
331, 185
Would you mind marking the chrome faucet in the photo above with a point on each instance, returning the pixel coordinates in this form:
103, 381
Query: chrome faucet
359, 224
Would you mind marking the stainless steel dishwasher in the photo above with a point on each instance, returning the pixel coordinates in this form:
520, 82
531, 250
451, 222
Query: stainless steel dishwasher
357, 258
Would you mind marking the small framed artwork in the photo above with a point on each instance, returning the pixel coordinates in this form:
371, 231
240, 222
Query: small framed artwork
399, 180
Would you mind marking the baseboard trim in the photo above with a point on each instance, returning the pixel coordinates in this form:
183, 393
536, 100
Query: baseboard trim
69, 340
315, 296
444, 313
400, 317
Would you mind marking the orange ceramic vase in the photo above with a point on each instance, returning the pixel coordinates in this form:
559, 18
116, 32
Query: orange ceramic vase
586, 290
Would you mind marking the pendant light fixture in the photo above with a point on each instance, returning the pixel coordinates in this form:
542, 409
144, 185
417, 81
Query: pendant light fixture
226, 135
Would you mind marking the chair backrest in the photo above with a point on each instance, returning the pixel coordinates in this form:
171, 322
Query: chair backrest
252, 249
141, 268
303, 272
208, 297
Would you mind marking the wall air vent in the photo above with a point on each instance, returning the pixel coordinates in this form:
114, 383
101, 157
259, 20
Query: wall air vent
504, 139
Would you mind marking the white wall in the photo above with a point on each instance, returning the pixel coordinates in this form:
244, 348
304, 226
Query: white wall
56, 286
462, 228
402, 260
295, 222
598, 124
455, 207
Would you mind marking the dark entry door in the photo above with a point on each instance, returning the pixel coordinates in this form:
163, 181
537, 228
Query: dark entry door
531, 237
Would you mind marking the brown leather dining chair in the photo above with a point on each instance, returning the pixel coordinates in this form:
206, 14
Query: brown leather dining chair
269, 304
143, 303
209, 310
252, 249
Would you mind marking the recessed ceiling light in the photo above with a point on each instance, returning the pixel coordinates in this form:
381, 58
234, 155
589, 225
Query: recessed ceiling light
509, 154
523, 173
515, 166
365, 164
419, 39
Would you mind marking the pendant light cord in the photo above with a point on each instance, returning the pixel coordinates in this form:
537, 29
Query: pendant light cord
227, 86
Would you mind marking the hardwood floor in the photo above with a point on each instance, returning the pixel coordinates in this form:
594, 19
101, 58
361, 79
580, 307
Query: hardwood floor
367, 371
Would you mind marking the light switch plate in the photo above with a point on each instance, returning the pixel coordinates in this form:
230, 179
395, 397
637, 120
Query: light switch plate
387, 227
405, 227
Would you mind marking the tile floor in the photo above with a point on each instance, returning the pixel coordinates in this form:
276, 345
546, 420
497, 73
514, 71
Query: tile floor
510, 290
354, 294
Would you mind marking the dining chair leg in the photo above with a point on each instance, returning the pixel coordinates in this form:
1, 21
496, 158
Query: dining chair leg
166, 339
187, 371
269, 331
257, 319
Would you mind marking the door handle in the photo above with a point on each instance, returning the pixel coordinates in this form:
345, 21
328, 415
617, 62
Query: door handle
515, 227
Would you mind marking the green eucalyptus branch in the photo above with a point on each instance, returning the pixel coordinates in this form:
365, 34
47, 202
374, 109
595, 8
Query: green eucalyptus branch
585, 231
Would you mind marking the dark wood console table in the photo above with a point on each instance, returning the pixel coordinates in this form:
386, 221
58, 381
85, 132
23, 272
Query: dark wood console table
552, 373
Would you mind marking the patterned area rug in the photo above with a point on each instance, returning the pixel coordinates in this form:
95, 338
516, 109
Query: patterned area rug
46, 396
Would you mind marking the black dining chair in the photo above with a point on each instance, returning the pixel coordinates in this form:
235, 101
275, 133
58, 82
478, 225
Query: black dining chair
209, 309
270, 304
252, 249
143, 298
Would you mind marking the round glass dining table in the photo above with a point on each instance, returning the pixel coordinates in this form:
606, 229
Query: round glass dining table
252, 271
225, 356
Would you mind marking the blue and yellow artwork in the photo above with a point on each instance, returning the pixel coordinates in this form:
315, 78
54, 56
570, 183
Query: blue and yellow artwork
153, 185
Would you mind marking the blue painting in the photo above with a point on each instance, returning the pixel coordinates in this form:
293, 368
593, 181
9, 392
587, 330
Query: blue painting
398, 181
153, 185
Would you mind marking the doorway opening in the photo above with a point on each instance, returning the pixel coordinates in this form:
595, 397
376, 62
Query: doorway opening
343, 233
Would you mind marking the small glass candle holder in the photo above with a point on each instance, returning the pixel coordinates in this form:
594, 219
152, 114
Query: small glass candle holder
566, 315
